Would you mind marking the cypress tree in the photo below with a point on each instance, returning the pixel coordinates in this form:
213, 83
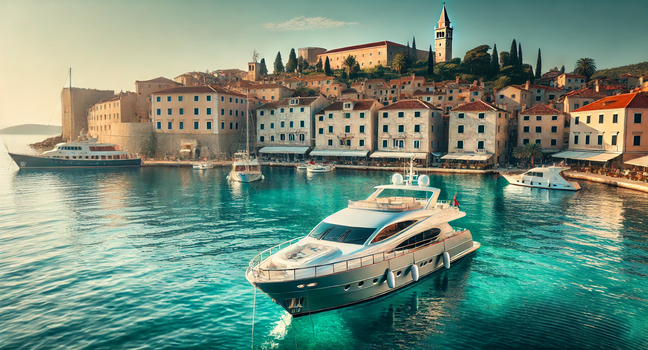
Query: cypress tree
278, 64
319, 65
538, 72
414, 47
327, 68
408, 53
291, 65
562, 70
495, 67
520, 54
430, 66
263, 70
514, 54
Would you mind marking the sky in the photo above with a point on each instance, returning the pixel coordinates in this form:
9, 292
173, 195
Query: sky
110, 44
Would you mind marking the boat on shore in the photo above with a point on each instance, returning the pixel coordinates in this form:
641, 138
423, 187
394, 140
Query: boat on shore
319, 168
543, 177
79, 154
369, 249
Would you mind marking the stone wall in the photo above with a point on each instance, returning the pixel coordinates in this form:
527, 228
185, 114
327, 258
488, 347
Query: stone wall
74, 109
136, 138
209, 145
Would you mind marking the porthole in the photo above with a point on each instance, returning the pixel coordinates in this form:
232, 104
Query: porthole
430, 261
360, 284
346, 288
375, 281
398, 274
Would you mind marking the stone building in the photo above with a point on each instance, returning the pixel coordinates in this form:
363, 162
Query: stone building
570, 82
105, 113
144, 89
346, 129
74, 109
368, 55
514, 99
543, 125
443, 38
478, 131
409, 129
198, 120
578, 98
266, 92
289, 124
607, 128
541, 94
310, 54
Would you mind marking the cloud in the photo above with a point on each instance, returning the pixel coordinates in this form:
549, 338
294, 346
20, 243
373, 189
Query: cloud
308, 23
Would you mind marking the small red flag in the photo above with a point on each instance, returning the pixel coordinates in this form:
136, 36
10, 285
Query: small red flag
312, 162
454, 200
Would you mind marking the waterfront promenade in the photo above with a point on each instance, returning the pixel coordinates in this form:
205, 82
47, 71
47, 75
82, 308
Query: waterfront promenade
613, 181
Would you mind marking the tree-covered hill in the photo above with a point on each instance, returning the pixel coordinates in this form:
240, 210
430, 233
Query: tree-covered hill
639, 69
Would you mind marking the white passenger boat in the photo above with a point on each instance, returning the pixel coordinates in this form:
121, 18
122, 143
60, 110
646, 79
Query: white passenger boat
543, 177
319, 168
203, 165
87, 153
371, 248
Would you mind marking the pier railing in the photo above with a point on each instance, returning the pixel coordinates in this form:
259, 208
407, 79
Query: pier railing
272, 274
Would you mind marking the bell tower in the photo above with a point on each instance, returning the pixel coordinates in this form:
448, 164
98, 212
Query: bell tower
443, 38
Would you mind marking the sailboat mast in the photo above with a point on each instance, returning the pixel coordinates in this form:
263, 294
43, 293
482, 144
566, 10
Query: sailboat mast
247, 127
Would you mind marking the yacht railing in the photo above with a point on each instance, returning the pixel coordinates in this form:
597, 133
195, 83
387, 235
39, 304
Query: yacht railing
320, 270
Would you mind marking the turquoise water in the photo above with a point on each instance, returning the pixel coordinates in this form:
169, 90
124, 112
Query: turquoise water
154, 258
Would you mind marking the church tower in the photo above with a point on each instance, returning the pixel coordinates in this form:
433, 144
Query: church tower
443, 38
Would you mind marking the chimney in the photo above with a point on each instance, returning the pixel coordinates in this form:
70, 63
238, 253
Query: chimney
526, 86
596, 86
457, 82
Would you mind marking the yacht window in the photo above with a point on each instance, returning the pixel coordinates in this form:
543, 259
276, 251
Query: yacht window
392, 230
422, 239
342, 234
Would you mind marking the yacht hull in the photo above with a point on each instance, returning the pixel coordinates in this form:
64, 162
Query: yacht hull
362, 284
245, 176
515, 180
35, 162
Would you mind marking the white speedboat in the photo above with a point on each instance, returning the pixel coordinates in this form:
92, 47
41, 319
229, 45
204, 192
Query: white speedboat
86, 153
246, 170
301, 166
543, 177
203, 165
319, 168
371, 248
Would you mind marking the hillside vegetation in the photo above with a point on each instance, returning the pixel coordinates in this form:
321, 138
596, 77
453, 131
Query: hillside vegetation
639, 69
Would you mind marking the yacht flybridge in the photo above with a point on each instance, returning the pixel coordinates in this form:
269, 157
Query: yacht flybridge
543, 177
375, 246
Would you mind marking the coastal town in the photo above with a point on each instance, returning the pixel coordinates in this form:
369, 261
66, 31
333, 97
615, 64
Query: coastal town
319, 106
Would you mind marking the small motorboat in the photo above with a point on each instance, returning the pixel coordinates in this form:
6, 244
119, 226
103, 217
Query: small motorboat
203, 165
543, 177
301, 166
320, 168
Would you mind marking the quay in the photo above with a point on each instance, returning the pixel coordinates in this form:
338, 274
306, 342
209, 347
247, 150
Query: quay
609, 180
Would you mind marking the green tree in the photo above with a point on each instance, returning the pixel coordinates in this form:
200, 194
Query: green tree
414, 53
263, 70
562, 69
349, 62
477, 61
495, 67
399, 63
538, 72
502, 82
504, 59
303, 91
529, 151
521, 61
318, 65
291, 65
430, 62
327, 68
585, 66
278, 64
514, 54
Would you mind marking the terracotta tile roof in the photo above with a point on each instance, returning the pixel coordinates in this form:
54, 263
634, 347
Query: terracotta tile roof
363, 46
567, 75
632, 100
423, 93
410, 104
157, 80
360, 105
542, 87
541, 110
475, 88
302, 101
477, 106
267, 86
197, 89
591, 93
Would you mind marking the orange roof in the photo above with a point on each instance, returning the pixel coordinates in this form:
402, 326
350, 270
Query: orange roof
477, 106
363, 46
567, 75
197, 89
632, 100
585, 93
541, 110
410, 104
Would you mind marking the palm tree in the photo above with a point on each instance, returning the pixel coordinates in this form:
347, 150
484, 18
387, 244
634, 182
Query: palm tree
585, 66
399, 63
530, 150
349, 62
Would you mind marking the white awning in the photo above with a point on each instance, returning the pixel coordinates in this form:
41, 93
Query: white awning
642, 161
339, 153
398, 155
484, 157
284, 149
585, 155
452, 156
467, 156
603, 157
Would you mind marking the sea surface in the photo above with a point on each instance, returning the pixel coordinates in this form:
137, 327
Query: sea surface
154, 258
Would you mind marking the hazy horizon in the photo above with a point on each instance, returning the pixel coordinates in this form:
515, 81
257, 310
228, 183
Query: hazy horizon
109, 45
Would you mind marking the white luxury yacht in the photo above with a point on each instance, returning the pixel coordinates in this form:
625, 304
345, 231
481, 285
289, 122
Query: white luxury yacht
375, 246
543, 177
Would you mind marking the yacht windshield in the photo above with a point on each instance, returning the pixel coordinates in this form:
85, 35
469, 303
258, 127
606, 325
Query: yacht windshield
341, 233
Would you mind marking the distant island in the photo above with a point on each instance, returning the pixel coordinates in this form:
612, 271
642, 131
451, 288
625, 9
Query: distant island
32, 129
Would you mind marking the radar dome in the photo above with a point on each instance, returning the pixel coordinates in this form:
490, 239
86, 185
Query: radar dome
397, 179
423, 181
